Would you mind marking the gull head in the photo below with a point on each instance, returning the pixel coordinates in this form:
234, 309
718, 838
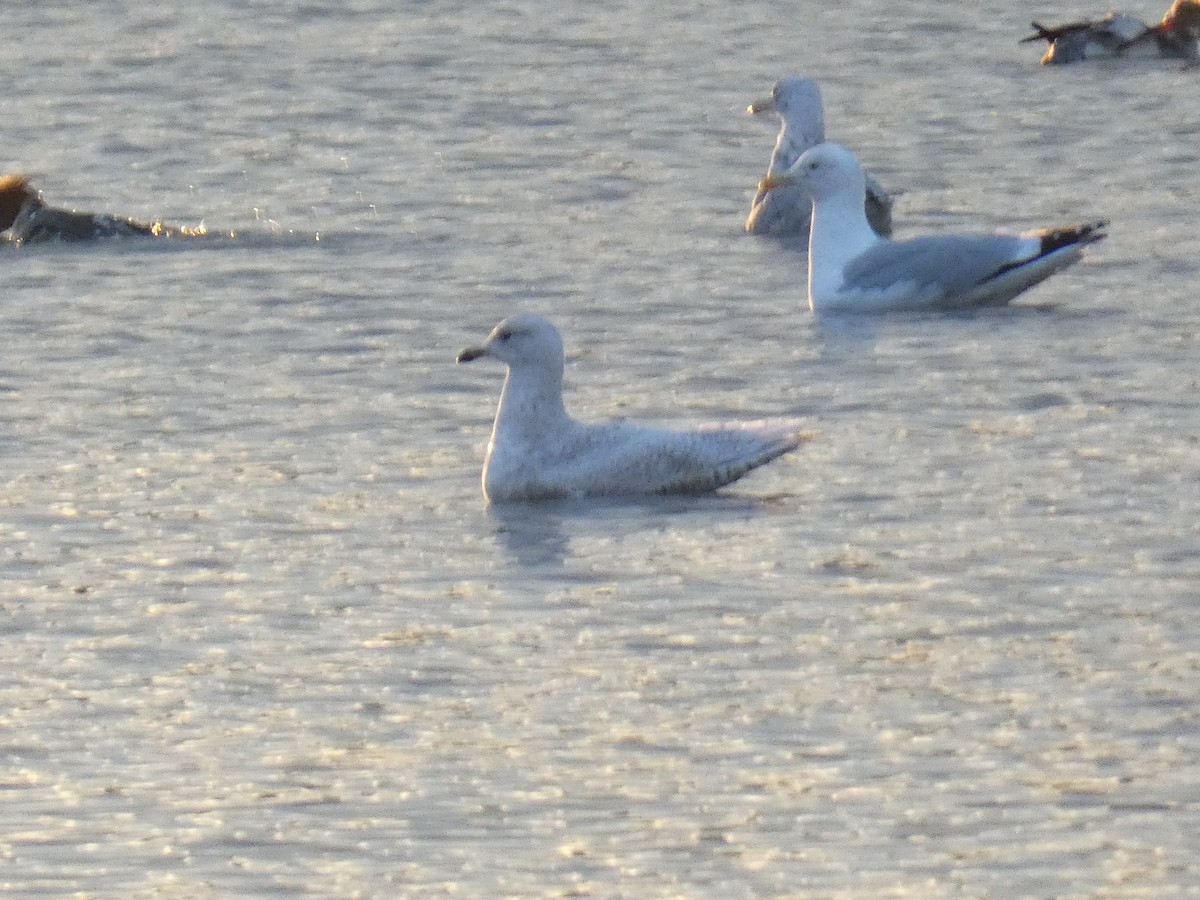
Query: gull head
795, 98
14, 192
523, 339
826, 170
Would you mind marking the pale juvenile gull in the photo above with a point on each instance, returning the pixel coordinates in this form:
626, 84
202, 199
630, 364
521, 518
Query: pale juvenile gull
851, 269
539, 452
787, 211
1176, 36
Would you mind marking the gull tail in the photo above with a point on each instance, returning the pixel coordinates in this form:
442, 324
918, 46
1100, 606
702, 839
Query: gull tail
745, 446
1054, 239
1049, 250
1057, 248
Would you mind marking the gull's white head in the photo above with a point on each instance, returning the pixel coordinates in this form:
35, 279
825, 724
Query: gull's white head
525, 339
797, 100
826, 170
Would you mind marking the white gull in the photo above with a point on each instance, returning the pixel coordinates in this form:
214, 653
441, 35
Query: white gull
851, 269
539, 452
787, 211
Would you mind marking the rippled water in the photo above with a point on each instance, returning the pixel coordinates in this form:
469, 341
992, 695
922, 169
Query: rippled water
261, 634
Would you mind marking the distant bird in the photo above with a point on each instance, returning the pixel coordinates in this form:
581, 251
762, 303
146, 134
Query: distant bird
1176, 36
787, 211
1087, 39
851, 269
539, 452
28, 220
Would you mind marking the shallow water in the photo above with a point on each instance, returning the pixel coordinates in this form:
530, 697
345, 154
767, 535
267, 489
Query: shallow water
262, 635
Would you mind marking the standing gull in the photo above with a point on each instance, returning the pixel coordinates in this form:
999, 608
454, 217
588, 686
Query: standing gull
539, 452
788, 210
851, 269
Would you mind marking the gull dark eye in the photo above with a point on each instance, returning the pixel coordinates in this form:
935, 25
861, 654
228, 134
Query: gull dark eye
503, 336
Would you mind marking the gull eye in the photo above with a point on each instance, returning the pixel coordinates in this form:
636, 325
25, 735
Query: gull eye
504, 335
